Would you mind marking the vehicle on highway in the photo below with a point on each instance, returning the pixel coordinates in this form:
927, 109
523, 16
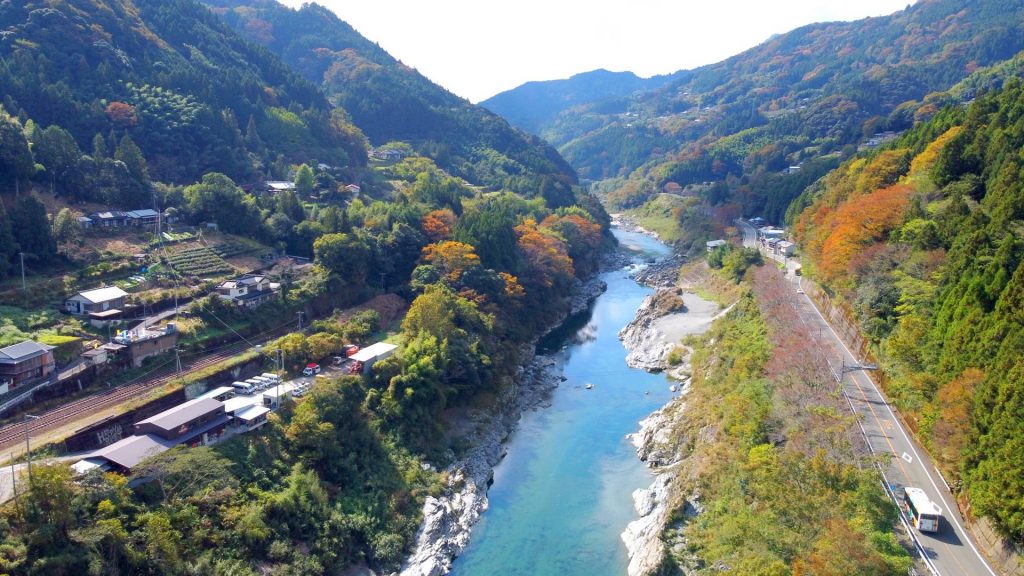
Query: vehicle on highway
922, 512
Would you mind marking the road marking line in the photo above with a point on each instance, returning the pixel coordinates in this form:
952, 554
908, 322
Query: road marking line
952, 517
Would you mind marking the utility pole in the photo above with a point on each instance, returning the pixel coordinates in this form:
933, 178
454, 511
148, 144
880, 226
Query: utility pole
28, 449
22, 255
14, 479
300, 320
177, 359
277, 391
382, 281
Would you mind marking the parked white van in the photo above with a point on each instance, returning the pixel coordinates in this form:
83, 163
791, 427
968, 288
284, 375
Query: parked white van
243, 388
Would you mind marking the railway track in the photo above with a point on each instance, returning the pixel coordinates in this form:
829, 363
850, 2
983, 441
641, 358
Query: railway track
12, 434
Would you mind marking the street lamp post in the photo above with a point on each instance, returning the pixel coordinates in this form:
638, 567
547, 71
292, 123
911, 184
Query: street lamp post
28, 449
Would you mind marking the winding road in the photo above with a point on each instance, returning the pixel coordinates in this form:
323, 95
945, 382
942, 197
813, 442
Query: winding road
947, 552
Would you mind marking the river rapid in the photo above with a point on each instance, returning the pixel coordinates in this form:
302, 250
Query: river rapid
562, 495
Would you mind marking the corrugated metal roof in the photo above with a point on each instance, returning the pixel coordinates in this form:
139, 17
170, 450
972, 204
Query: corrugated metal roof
252, 412
107, 215
128, 452
97, 295
373, 352
183, 413
144, 213
23, 351
216, 392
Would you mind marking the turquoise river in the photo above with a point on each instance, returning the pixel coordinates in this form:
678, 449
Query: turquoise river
563, 494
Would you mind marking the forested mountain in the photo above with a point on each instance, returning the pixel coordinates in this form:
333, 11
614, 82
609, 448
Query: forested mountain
534, 105
191, 94
806, 94
390, 101
923, 240
129, 104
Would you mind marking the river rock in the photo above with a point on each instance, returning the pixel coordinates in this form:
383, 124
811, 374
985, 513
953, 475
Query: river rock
642, 536
645, 548
585, 294
648, 349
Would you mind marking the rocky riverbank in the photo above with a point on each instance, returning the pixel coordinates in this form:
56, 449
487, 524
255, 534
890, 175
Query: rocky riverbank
448, 519
643, 535
650, 338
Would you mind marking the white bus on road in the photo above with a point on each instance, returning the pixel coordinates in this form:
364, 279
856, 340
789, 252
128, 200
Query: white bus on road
922, 512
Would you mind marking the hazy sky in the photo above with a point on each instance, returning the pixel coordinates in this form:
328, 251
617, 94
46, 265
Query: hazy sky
478, 48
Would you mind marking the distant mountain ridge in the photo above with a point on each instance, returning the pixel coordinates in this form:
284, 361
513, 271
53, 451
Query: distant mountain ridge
533, 105
807, 92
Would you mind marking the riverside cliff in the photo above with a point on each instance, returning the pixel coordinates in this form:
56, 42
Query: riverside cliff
448, 519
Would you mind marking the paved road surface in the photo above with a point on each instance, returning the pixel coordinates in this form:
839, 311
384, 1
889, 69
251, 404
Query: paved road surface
948, 552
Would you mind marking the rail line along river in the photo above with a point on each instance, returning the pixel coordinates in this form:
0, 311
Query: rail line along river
562, 495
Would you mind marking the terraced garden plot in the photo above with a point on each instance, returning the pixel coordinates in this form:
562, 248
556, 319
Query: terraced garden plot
200, 261
232, 248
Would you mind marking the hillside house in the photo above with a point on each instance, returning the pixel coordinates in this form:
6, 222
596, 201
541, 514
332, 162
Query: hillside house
248, 291
23, 363
96, 300
768, 233
713, 244
353, 189
387, 155
186, 422
673, 188
144, 343
142, 218
109, 219
278, 186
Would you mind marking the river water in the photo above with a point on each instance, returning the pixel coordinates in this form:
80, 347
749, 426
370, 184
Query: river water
563, 494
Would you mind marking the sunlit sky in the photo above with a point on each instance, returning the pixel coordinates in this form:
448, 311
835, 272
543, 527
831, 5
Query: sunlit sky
478, 48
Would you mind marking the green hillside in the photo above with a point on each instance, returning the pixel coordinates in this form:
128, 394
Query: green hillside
390, 101
922, 241
194, 97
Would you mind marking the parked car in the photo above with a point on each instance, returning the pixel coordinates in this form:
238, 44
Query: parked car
311, 369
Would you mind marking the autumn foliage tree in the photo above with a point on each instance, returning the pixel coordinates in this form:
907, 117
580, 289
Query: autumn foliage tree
859, 222
546, 263
438, 225
121, 115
